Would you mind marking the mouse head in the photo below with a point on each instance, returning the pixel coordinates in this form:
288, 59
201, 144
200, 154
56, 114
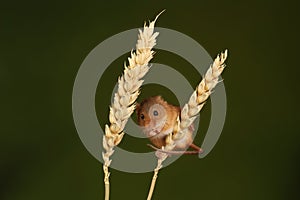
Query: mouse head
152, 115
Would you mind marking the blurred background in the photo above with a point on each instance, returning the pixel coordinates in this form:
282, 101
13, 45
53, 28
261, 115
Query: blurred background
42, 45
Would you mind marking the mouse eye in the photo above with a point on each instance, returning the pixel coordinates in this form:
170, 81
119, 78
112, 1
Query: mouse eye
155, 113
142, 116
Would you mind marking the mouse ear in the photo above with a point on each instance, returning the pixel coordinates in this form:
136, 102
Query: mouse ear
137, 107
161, 100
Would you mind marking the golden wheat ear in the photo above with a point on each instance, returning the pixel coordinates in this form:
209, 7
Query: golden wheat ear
124, 99
197, 100
189, 113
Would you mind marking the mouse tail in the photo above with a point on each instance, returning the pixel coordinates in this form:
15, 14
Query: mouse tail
196, 152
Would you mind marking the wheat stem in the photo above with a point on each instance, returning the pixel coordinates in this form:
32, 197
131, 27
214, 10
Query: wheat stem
161, 156
126, 95
153, 182
160, 159
106, 181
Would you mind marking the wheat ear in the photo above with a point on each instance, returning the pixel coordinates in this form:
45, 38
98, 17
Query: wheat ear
190, 112
126, 95
197, 100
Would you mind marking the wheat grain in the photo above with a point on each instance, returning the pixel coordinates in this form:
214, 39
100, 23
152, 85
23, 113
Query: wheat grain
126, 95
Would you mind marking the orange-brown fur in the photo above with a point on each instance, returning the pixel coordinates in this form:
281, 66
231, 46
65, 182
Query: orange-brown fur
172, 113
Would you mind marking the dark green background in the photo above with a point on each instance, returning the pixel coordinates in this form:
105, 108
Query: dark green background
43, 45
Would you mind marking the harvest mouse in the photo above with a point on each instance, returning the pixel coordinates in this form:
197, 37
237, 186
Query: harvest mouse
157, 119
